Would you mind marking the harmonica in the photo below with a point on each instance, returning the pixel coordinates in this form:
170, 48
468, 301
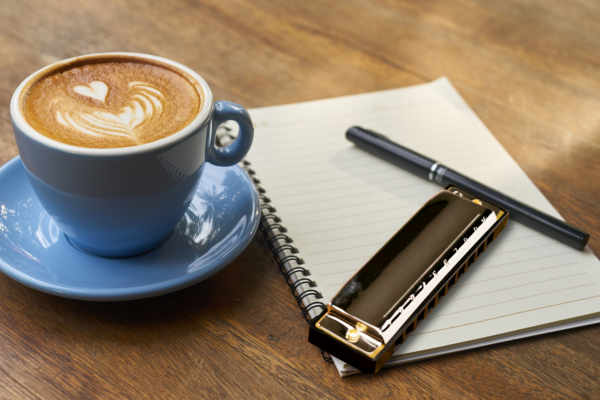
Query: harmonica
376, 311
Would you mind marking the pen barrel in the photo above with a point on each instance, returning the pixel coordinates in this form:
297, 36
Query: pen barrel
541, 222
429, 169
381, 147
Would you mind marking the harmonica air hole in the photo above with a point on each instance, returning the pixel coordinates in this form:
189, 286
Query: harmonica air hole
395, 319
461, 271
431, 305
449, 285
401, 339
472, 259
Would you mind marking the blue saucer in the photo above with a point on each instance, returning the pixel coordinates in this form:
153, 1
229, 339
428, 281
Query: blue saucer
219, 224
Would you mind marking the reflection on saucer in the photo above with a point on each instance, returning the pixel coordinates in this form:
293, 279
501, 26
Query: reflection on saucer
219, 224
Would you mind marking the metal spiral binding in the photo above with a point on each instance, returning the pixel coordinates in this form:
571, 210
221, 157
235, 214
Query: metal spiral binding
289, 247
275, 233
298, 270
327, 358
267, 207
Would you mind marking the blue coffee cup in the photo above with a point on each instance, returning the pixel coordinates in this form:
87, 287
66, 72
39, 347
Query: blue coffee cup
121, 202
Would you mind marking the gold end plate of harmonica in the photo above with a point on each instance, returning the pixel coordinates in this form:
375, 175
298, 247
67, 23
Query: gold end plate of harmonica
385, 301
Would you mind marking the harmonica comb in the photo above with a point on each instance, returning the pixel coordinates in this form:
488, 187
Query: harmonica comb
376, 311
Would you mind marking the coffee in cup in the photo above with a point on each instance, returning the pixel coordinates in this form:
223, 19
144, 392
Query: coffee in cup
114, 146
111, 102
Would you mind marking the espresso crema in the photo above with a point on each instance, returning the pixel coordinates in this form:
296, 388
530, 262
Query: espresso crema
111, 103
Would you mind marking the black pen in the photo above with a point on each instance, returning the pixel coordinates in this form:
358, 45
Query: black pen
433, 171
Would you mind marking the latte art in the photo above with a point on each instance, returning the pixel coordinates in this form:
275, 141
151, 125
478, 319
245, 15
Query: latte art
115, 104
145, 105
97, 90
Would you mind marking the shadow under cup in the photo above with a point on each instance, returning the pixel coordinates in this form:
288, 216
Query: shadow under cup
120, 202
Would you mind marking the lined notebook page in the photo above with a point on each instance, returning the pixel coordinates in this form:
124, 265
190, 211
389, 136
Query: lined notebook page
341, 204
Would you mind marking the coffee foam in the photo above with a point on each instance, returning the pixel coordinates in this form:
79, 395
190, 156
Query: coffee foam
111, 104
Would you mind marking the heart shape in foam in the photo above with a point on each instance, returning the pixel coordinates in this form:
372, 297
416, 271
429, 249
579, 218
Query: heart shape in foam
145, 106
96, 90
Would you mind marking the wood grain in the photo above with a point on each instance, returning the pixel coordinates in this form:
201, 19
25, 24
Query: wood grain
529, 68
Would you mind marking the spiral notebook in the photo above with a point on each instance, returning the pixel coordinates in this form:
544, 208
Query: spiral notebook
328, 206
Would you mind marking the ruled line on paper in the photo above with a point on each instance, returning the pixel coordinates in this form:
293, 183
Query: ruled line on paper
526, 248
520, 238
342, 260
394, 109
344, 249
419, 137
356, 195
296, 150
450, 300
320, 163
410, 128
368, 162
520, 261
354, 185
337, 284
346, 238
457, 285
303, 149
511, 300
518, 273
370, 212
352, 226
382, 168
506, 315
369, 203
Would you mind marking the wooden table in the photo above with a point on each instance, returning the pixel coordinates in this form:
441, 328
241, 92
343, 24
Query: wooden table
529, 68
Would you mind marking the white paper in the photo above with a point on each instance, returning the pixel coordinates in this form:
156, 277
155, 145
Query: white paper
341, 204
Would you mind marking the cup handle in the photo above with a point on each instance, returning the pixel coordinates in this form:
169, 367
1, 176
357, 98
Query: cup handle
236, 151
